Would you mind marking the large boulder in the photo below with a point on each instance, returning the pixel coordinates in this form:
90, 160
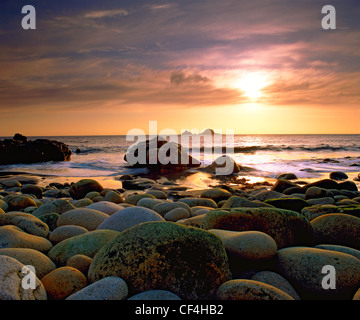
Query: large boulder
158, 154
187, 261
287, 228
26, 151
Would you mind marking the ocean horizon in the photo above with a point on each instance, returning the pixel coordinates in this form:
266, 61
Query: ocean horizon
306, 155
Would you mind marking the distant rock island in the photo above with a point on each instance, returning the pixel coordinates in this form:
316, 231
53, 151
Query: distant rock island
205, 132
21, 150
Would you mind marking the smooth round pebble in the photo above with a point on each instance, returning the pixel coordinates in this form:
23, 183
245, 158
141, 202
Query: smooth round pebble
250, 290
109, 288
63, 282
155, 295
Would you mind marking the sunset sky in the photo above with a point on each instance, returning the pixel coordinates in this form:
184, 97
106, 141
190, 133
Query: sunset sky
104, 67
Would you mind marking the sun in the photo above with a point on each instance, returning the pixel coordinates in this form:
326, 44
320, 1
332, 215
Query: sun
252, 84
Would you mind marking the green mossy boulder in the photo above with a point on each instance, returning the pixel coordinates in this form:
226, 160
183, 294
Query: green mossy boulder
287, 228
88, 244
187, 261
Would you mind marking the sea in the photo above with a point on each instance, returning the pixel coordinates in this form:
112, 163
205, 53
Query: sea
307, 156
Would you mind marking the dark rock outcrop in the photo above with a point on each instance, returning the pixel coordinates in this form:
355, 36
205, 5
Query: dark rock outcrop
21, 150
156, 154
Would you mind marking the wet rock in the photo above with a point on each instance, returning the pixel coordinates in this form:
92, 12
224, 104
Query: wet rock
14, 151
79, 189
338, 175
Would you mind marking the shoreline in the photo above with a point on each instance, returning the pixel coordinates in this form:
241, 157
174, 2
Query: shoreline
192, 179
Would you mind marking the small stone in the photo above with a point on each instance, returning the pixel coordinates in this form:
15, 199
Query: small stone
109, 288
106, 207
63, 282
277, 281
333, 247
87, 244
32, 189
26, 222
129, 217
50, 219
155, 295
64, 232
11, 278
42, 264
281, 185
158, 194
318, 210
114, 197
287, 176
303, 266
163, 208
92, 194
338, 175
250, 290
177, 214
19, 202
337, 228
196, 221
79, 262
216, 194
3, 205
294, 204
316, 192
239, 202
321, 201
82, 202
59, 206
11, 183
14, 237
149, 203
134, 198
192, 202
79, 189
90, 219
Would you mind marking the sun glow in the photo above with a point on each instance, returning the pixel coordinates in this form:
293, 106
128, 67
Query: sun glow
252, 84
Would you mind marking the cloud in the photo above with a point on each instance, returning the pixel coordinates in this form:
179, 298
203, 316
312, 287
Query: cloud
106, 14
179, 78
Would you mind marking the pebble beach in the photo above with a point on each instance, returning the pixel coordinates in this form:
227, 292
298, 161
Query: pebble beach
195, 238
